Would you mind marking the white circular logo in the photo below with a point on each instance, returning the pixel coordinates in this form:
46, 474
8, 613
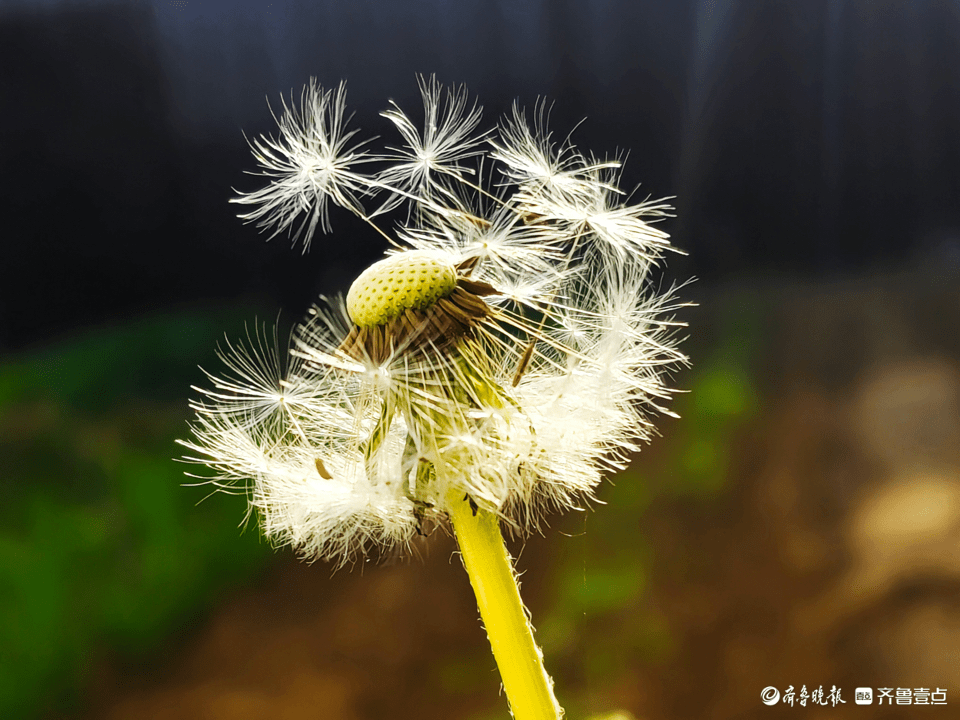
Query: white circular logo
770, 695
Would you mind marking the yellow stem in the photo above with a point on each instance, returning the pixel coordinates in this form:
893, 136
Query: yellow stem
529, 689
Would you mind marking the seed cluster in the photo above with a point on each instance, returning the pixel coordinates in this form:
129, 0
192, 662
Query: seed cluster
509, 348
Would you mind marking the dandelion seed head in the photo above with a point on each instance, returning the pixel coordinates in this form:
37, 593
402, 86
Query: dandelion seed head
510, 346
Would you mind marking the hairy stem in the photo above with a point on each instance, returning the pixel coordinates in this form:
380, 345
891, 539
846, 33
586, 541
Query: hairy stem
528, 687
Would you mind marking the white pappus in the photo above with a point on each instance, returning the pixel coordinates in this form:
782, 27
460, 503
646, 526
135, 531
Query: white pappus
510, 347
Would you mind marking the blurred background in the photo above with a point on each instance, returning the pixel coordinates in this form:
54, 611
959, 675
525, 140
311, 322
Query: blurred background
798, 526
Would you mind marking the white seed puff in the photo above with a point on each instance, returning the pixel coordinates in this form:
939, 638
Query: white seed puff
509, 348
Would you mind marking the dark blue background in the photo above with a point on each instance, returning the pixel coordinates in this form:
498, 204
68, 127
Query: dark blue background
813, 138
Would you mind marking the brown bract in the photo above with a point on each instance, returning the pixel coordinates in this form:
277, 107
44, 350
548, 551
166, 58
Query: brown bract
435, 327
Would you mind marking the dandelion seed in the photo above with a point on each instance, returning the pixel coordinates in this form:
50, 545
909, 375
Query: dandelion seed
532, 160
617, 227
446, 142
309, 165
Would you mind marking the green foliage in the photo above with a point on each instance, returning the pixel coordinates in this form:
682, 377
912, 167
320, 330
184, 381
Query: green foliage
102, 551
722, 396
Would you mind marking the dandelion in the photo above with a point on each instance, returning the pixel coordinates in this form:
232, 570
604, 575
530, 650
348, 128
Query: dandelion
506, 353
